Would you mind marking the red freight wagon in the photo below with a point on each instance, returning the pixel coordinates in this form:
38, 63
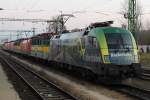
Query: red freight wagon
7, 45
26, 46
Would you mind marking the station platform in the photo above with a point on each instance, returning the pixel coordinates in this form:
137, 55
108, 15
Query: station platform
7, 91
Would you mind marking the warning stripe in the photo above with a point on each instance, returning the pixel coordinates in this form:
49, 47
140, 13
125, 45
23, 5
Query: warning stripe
102, 44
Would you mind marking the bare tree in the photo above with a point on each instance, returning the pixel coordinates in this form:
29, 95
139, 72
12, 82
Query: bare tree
139, 18
56, 26
147, 25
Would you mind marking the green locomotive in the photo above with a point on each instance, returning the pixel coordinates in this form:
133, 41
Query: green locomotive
107, 52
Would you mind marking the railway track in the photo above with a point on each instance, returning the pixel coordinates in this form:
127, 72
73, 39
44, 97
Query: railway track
145, 75
140, 92
137, 92
45, 93
146, 71
42, 87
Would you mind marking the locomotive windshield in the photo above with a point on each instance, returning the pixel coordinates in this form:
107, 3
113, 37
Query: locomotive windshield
119, 41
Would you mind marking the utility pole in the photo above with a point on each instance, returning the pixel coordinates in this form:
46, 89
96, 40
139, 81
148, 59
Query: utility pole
33, 31
62, 19
132, 17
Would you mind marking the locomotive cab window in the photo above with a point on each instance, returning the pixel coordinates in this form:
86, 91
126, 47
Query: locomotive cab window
96, 45
90, 40
119, 41
93, 41
93, 46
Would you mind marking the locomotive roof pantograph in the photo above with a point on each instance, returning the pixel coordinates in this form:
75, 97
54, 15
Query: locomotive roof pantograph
101, 24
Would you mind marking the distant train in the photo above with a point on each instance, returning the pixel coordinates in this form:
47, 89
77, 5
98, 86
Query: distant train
109, 53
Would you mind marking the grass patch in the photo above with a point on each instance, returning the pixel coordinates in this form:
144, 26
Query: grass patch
145, 59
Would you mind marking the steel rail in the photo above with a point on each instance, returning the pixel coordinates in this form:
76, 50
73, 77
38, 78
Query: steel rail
146, 71
137, 92
43, 88
145, 75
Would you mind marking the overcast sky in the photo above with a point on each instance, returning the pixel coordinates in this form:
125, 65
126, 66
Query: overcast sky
48, 8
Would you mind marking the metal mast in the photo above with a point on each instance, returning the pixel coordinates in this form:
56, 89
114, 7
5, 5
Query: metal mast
132, 17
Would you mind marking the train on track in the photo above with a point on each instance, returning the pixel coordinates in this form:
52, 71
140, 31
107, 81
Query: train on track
108, 53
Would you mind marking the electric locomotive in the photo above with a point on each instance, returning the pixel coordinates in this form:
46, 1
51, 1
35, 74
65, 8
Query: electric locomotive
107, 52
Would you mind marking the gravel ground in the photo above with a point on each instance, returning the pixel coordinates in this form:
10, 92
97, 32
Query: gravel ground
80, 88
20, 87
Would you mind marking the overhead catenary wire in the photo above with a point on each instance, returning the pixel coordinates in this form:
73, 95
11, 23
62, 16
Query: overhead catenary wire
34, 4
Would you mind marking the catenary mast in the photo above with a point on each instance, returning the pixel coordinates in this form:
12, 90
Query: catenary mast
132, 17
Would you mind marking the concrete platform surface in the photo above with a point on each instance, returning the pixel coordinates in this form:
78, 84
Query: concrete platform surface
7, 91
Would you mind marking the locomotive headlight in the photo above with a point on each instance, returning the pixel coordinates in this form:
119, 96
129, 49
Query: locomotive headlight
106, 58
